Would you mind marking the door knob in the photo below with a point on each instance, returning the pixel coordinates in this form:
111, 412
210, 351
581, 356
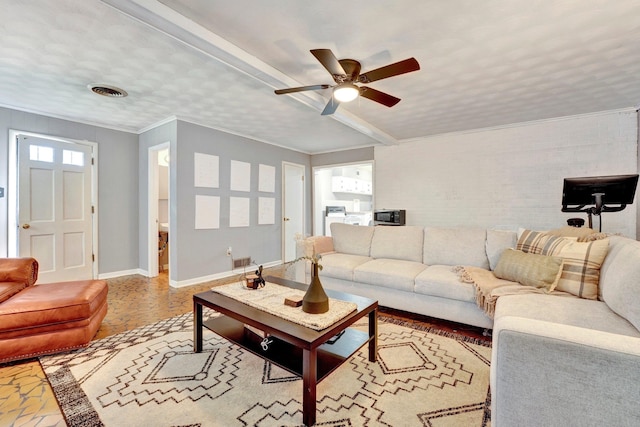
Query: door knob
286, 219
25, 226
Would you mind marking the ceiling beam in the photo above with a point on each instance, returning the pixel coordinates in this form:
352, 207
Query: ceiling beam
168, 21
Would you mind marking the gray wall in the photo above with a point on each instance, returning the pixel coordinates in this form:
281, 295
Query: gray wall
117, 183
202, 253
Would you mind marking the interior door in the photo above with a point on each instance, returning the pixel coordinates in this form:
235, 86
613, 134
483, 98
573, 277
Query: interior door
55, 208
293, 208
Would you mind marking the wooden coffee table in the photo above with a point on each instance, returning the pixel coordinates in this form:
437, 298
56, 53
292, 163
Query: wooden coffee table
305, 352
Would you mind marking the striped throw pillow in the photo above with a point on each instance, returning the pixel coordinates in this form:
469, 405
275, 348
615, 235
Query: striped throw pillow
537, 242
582, 260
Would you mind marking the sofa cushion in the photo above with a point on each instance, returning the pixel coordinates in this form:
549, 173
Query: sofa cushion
582, 260
389, 273
538, 271
442, 281
620, 279
566, 310
497, 242
52, 304
341, 266
398, 243
351, 239
9, 289
455, 246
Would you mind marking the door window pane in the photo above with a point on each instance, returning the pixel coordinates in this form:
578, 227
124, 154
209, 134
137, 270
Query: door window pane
75, 158
41, 154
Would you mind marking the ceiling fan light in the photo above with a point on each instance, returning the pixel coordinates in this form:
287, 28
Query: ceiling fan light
346, 92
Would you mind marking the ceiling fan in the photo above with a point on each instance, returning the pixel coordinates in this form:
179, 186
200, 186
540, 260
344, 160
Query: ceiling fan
346, 72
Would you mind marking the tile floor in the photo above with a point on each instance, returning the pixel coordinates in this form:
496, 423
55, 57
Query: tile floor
26, 398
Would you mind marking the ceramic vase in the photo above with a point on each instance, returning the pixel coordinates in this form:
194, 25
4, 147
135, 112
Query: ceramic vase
315, 300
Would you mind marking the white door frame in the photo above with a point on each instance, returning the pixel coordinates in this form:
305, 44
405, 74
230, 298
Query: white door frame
12, 196
303, 213
152, 209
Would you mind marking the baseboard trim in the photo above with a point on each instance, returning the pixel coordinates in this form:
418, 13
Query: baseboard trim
223, 275
193, 281
114, 274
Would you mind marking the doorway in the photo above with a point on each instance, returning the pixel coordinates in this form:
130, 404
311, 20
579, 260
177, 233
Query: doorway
293, 191
53, 205
159, 210
348, 187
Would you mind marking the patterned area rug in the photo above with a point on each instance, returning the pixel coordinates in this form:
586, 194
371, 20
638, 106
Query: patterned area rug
151, 377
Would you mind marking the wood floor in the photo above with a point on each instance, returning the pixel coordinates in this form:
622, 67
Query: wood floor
26, 398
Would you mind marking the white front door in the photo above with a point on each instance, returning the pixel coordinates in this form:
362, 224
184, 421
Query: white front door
55, 208
292, 208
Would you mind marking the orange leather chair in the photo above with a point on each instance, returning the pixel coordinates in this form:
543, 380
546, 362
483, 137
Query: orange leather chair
42, 319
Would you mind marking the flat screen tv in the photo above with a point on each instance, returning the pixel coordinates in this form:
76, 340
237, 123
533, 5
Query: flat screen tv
603, 193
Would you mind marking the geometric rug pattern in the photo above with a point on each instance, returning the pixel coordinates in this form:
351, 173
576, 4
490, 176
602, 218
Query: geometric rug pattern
150, 376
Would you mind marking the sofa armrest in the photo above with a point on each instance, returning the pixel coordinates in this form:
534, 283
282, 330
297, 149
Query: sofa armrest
20, 270
549, 374
314, 245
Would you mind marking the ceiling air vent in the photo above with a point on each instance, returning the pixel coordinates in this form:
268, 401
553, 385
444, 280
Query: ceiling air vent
110, 91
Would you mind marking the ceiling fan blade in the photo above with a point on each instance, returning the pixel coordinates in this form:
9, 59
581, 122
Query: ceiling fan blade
402, 67
377, 96
331, 107
301, 89
329, 61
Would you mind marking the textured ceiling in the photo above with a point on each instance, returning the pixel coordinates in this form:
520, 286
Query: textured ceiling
216, 63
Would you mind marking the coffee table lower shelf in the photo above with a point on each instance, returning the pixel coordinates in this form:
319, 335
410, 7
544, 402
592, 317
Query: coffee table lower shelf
285, 355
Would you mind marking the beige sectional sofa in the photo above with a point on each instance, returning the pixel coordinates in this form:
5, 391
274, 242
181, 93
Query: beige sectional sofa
571, 361
557, 360
408, 268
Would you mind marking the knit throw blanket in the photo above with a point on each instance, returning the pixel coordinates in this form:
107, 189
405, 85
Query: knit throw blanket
489, 288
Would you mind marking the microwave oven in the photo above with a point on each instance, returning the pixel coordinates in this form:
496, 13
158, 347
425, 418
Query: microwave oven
389, 217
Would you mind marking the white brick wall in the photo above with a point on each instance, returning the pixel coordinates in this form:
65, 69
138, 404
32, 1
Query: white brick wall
509, 177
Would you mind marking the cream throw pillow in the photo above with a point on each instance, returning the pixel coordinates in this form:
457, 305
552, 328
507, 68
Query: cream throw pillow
320, 244
582, 260
580, 233
581, 271
539, 271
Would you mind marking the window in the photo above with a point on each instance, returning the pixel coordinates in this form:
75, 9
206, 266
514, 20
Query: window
75, 158
41, 154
